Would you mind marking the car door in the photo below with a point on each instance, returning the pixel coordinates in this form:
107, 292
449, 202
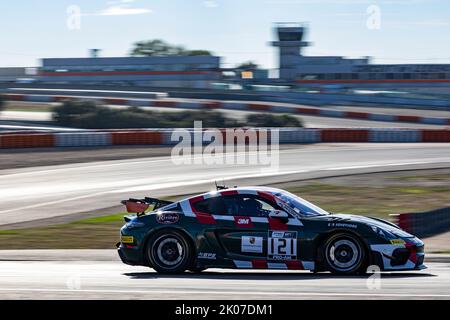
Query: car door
255, 232
237, 230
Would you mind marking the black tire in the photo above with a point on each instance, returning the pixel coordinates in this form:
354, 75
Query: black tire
344, 253
168, 251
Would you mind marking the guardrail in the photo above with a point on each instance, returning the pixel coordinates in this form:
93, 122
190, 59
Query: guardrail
242, 106
373, 100
425, 224
162, 137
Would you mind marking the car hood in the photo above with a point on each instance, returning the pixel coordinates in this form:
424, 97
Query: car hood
373, 222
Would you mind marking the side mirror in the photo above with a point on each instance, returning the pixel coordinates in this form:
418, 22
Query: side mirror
280, 215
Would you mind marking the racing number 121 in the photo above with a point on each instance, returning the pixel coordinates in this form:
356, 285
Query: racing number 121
284, 247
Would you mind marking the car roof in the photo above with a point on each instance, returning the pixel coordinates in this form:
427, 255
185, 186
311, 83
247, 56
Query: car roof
240, 190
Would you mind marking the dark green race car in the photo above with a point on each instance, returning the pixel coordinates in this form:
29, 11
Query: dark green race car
260, 228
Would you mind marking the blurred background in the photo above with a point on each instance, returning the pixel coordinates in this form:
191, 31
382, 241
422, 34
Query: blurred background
91, 92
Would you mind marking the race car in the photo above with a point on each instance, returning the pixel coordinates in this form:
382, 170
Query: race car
260, 228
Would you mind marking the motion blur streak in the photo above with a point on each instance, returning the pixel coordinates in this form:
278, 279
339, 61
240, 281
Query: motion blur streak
109, 279
44, 192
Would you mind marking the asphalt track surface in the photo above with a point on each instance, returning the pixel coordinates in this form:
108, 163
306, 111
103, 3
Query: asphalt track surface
44, 194
94, 274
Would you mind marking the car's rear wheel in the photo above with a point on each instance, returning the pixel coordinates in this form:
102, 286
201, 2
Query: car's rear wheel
169, 252
344, 254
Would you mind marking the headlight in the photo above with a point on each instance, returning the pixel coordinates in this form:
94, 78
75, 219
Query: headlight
384, 233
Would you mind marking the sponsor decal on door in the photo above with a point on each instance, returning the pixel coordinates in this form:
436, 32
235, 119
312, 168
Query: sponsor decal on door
252, 244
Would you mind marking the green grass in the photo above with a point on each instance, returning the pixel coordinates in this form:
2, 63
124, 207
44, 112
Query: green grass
103, 232
12, 106
104, 219
94, 233
374, 201
428, 177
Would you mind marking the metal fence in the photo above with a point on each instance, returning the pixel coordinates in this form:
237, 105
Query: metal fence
425, 224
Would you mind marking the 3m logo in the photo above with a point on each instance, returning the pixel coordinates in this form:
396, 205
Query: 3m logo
243, 222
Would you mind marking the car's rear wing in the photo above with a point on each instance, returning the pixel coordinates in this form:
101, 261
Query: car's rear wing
139, 206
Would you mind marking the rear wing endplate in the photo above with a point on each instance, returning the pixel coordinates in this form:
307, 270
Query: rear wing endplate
139, 206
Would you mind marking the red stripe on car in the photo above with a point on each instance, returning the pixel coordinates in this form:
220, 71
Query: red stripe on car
202, 217
229, 193
412, 252
205, 218
259, 264
294, 265
195, 200
276, 224
267, 196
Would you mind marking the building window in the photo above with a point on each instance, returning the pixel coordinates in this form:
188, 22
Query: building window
290, 36
346, 76
364, 76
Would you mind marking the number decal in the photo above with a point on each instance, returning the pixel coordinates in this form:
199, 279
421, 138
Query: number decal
282, 245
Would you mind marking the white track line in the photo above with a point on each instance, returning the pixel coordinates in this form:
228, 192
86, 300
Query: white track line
198, 182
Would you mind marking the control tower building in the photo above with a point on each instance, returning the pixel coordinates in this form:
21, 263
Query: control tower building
290, 43
297, 68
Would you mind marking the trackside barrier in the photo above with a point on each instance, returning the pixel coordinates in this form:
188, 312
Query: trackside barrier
344, 135
394, 135
177, 134
346, 99
163, 137
232, 105
37, 140
425, 224
136, 138
429, 135
300, 136
83, 139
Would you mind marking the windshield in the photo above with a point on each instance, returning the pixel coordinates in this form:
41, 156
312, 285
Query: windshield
301, 206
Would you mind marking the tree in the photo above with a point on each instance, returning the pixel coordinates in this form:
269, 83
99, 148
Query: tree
158, 47
198, 53
249, 65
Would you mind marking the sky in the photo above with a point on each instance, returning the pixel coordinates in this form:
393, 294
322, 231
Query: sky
391, 31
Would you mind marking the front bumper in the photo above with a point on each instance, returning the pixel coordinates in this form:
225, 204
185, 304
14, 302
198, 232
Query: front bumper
407, 256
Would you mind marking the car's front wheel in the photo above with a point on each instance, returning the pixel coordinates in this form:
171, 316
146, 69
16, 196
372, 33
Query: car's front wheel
169, 252
344, 254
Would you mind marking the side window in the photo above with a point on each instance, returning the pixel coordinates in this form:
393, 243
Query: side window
236, 205
254, 206
214, 205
